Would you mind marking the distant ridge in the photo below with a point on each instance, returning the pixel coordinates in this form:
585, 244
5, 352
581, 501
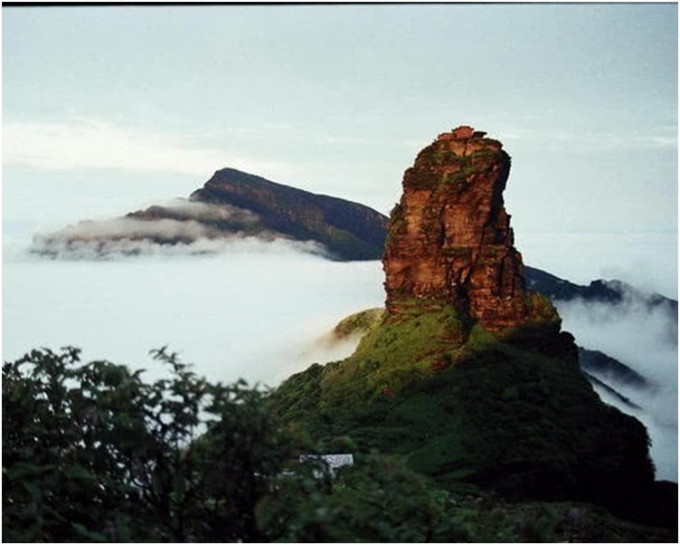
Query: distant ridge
602, 291
232, 205
349, 230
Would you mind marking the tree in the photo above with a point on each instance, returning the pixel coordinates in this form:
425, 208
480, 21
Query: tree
94, 453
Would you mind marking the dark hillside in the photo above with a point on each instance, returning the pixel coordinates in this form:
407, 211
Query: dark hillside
504, 416
349, 230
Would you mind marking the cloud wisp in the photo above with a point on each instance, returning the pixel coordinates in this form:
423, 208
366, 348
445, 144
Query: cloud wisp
179, 228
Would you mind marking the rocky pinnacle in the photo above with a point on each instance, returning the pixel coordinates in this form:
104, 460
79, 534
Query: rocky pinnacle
450, 237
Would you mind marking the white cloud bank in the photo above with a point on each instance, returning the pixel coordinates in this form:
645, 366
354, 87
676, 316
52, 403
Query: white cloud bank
645, 339
127, 237
178, 228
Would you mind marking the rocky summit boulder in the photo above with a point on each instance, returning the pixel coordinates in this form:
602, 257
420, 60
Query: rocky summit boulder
450, 236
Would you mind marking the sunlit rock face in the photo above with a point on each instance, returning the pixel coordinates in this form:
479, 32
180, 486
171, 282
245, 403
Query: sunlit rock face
450, 235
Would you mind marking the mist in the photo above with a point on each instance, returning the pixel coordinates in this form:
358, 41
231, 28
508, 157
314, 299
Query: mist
160, 238
252, 310
176, 228
262, 310
200, 211
645, 339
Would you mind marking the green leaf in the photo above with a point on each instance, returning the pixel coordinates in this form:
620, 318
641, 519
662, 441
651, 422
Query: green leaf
77, 471
179, 485
84, 532
34, 490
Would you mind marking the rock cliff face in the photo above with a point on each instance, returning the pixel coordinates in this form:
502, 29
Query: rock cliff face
349, 230
450, 235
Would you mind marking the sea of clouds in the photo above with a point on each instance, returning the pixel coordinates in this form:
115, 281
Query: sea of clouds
251, 308
262, 310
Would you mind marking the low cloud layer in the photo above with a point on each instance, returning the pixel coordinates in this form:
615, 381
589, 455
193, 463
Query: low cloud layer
645, 339
129, 228
249, 312
206, 212
178, 228
107, 250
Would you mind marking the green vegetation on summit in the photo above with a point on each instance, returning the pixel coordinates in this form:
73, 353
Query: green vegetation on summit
469, 410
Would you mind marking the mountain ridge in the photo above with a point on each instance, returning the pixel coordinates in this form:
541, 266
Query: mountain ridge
232, 219
231, 205
352, 230
599, 290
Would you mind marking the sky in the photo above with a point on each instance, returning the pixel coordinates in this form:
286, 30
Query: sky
106, 110
338, 99
111, 109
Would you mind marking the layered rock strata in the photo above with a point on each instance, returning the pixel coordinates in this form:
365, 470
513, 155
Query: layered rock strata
450, 235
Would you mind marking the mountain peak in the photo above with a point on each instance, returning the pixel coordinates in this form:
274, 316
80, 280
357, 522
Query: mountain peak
348, 230
450, 237
466, 373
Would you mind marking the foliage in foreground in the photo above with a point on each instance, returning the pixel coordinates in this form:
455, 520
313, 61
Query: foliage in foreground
94, 453
382, 500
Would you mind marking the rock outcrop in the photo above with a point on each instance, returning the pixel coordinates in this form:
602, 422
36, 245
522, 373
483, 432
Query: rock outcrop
450, 237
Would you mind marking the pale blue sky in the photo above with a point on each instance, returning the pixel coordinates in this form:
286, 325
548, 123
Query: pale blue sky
144, 102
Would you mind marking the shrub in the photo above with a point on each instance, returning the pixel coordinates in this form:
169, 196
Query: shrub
93, 453
380, 500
